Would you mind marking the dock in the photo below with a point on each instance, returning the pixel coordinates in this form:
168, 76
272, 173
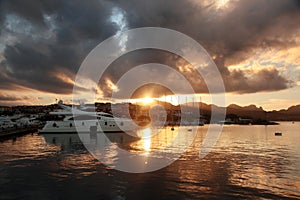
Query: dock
11, 133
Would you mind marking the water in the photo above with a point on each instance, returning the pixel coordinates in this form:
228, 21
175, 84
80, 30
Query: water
248, 162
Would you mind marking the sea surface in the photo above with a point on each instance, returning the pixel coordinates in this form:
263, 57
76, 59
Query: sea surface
247, 162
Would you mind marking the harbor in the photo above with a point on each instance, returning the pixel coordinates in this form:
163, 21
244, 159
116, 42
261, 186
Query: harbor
146, 100
56, 118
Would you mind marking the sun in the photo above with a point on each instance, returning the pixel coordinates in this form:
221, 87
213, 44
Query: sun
147, 100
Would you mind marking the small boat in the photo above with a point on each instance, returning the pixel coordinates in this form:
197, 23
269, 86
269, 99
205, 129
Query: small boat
278, 134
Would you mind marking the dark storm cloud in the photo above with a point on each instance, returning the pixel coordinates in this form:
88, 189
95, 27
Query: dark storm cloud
220, 32
32, 59
65, 31
28, 67
263, 80
31, 10
79, 20
257, 24
231, 36
31, 68
140, 57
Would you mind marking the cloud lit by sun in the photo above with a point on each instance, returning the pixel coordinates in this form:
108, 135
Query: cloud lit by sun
221, 3
216, 4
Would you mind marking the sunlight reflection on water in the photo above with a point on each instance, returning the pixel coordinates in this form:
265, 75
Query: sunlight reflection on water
246, 161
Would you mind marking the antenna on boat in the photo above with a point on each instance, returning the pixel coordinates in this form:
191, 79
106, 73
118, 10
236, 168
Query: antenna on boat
172, 119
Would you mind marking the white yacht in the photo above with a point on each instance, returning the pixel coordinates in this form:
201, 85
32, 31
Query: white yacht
78, 121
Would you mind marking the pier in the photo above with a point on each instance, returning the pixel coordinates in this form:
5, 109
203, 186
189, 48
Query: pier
10, 133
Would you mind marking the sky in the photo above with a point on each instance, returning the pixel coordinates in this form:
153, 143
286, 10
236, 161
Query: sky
255, 45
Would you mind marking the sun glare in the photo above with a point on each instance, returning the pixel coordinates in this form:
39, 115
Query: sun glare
147, 139
147, 100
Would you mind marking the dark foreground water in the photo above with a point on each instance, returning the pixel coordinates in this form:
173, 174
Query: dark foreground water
248, 162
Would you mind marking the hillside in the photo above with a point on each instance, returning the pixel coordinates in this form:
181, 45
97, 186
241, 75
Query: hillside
254, 112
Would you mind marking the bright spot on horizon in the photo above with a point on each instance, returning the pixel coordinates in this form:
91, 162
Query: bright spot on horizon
147, 100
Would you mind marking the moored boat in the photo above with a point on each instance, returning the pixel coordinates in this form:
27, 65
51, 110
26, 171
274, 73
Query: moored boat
78, 121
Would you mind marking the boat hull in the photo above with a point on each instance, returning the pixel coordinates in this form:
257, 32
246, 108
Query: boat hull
88, 127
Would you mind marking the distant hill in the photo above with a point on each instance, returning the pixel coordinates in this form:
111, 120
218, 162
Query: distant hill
252, 111
291, 114
233, 110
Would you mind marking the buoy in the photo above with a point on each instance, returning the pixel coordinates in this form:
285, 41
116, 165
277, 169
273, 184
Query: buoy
278, 134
